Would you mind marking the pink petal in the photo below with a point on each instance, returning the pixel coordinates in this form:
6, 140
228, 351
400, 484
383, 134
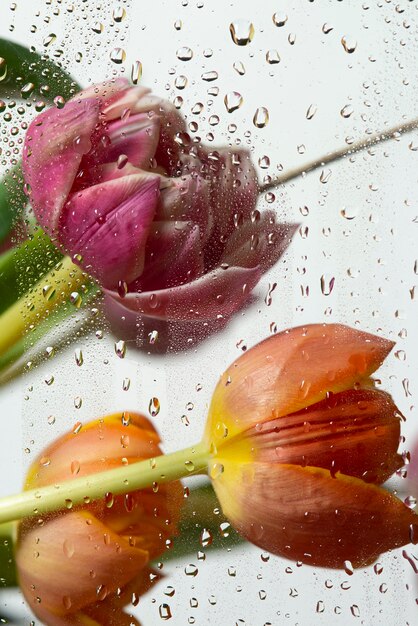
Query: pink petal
218, 293
136, 138
187, 199
54, 146
306, 515
354, 432
104, 91
292, 370
173, 256
108, 225
260, 243
123, 101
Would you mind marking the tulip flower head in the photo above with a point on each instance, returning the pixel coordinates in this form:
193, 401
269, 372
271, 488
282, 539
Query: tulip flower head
81, 567
167, 226
301, 443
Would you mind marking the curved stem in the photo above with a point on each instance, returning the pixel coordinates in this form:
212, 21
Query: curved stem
46, 296
139, 475
361, 144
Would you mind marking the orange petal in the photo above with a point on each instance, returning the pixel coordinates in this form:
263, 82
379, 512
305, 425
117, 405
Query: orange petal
354, 432
73, 560
76, 454
304, 514
292, 370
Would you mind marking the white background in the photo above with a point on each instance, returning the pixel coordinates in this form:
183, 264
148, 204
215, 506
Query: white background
370, 256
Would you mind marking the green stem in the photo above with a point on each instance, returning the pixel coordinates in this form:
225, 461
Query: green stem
140, 475
46, 296
8, 576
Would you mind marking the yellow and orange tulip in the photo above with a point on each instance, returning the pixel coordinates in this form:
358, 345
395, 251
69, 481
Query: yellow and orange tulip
82, 566
301, 441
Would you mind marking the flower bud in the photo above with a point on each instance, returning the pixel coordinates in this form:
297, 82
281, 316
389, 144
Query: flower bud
82, 566
302, 441
167, 226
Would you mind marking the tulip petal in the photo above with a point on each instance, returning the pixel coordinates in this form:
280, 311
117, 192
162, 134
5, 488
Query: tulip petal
292, 370
75, 454
70, 547
187, 199
304, 514
123, 101
220, 292
54, 146
234, 194
354, 432
173, 256
108, 225
260, 243
137, 138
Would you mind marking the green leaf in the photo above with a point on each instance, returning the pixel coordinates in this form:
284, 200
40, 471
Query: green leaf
23, 266
24, 67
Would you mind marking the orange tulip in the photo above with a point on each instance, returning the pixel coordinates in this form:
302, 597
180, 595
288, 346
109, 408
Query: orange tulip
302, 441
81, 567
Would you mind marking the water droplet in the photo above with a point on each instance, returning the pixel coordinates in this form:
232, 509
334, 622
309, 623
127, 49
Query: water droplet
120, 348
349, 44
327, 28
76, 299
184, 53
410, 502
191, 570
126, 384
325, 176
3, 68
279, 19
320, 607
347, 111
78, 402
206, 538
311, 111
97, 28
269, 297
242, 32
75, 467
291, 39
118, 14
78, 355
209, 76
224, 529
216, 470
178, 24
180, 82
327, 284
154, 407
233, 100
49, 39
118, 55
349, 213
261, 117
136, 72
239, 68
153, 337
272, 57
48, 292
68, 548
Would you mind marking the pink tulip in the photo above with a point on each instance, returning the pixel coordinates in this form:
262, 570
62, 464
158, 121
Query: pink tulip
167, 226
83, 566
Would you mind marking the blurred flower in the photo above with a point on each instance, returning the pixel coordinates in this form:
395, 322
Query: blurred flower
168, 227
81, 567
302, 440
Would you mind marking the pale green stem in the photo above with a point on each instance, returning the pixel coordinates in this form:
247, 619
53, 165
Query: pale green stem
345, 151
139, 475
44, 297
